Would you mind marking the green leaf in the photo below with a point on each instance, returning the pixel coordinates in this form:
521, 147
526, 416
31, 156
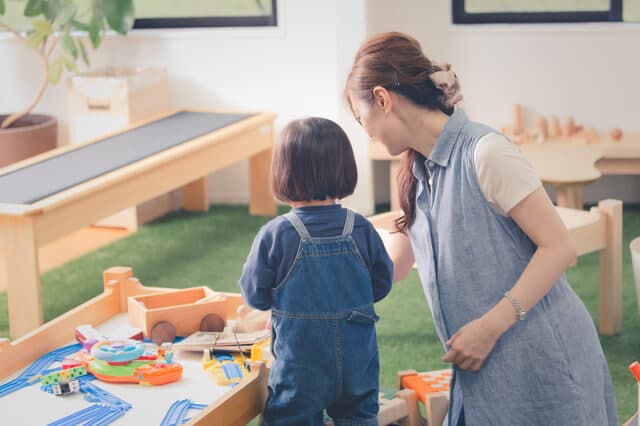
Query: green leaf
43, 27
55, 71
83, 52
2, 8
50, 9
69, 64
34, 8
66, 13
34, 39
79, 25
119, 14
94, 31
69, 45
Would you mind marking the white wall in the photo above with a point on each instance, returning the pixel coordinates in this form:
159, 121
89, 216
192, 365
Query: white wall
589, 71
298, 69
294, 70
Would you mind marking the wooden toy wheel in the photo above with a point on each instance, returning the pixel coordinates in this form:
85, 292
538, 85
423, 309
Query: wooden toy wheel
163, 331
212, 322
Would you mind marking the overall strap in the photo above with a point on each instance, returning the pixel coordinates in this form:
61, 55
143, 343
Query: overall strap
297, 223
348, 223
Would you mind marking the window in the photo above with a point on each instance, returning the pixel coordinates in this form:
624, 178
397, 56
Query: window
544, 11
176, 14
210, 13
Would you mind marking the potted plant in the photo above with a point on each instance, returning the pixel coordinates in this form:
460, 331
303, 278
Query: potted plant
57, 34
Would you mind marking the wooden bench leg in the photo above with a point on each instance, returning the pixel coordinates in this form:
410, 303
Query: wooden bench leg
569, 196
195, 196
411, 400
261, 201
21, 275
611, 269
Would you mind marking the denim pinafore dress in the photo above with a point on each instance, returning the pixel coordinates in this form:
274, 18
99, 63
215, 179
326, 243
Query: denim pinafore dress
324, 338
546, 370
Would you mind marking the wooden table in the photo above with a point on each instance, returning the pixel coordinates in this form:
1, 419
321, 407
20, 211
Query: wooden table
567, 166
26, 226
107, 311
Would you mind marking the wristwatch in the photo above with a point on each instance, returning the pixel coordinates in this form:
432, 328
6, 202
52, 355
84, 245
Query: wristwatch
520, 312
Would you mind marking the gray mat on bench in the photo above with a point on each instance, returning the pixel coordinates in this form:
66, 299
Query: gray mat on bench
53, 175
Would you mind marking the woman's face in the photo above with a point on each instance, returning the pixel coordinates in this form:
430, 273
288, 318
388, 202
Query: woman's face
379, 124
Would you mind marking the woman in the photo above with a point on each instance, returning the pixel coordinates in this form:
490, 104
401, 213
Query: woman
490, 248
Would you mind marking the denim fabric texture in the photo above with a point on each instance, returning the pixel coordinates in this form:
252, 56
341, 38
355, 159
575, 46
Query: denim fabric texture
324, 338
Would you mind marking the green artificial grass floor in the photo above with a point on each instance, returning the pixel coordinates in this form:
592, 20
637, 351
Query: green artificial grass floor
191, 249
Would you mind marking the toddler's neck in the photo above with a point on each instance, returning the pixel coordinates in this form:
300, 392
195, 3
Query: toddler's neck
327, 202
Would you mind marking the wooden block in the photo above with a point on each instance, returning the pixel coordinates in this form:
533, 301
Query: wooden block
554, 127
569, 128
543, 127
616, 135
517, 119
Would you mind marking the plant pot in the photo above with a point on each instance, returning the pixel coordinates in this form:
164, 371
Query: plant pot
29, 136
635, 266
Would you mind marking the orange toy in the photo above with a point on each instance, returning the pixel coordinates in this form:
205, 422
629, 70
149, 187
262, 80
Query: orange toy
432, 388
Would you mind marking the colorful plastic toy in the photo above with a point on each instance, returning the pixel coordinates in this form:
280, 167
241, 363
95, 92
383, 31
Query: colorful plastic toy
65, 381
224, 368
432, 389
30, 375
125, 362
261, 351
177, 413
117, 351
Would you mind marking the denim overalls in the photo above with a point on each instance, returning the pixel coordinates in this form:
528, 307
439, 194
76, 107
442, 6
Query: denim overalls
546, 370
324, 337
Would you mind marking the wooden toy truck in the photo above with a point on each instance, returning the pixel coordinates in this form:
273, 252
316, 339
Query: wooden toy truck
163, 316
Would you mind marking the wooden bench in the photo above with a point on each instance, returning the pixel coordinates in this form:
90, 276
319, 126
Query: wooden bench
51, 195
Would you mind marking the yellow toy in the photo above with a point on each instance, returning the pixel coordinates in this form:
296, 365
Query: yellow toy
224, 368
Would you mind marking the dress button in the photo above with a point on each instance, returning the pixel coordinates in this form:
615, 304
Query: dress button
430, 164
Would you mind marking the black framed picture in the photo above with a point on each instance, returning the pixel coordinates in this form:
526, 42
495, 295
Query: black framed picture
543, 11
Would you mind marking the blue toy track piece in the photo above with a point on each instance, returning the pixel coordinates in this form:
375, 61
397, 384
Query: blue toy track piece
37, 367
107, 408
176, 415
95, 394
232, 371
84, 416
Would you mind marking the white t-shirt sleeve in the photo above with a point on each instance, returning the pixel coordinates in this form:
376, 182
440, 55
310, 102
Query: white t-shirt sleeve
505, 176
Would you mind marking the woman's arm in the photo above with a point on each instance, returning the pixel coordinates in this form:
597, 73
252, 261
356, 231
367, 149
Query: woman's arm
537, 217
399, 249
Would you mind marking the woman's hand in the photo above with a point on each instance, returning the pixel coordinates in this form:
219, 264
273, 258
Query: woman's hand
472, 343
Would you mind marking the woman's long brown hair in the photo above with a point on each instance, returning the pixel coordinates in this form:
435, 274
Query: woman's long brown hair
396, 62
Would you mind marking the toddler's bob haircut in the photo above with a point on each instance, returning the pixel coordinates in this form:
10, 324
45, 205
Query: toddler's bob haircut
313, 160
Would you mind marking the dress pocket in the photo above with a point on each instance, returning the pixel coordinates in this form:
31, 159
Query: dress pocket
362, 318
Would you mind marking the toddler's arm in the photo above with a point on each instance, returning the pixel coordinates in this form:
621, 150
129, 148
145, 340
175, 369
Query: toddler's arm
258, 275
381, 267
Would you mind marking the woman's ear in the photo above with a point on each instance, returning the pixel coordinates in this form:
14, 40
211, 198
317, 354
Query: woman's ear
382, 98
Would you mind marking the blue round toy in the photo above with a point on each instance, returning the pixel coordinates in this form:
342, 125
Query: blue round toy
117, 350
